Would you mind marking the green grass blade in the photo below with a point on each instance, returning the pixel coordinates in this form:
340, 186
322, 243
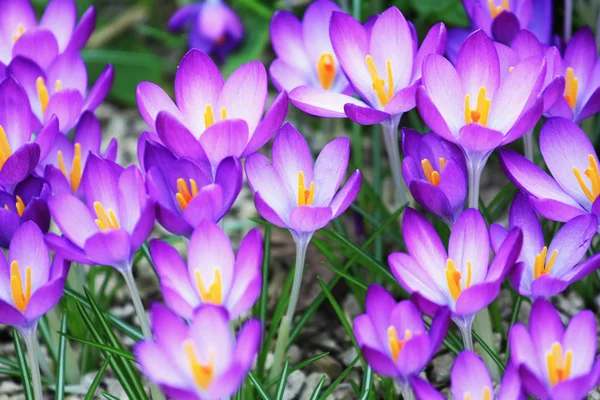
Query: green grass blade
47, 339
300, 365
263, 299
113, 350
23, 366
282, 380
489, 351
8, 362
62, 352
367, 384
109, 396
97, 379
339, 379
318, 388
261, 391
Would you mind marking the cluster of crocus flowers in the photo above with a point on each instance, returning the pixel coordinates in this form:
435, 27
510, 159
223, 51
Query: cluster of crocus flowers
544, 271
574, 186
553, 362
212, 275
231, 120
393, 338
472, 106
461, 278
436, 174
213, 27
202, 360
291, 193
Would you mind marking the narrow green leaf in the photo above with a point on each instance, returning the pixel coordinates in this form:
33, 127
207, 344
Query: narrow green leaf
347, 277
490, 352
282, 380
367, 384
317, 391
109, 396
261, 391
62, 351
47, 338
339, 379
8, 362
263, 299
22, 366
98, 378
113, 350
298, 366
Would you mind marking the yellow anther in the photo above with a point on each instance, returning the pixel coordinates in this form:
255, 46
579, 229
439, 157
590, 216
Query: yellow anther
571, 85
4, 147
184, 196
20, 205
75, 175
453, 278
223, 113
511, 69
42, 92
20, 298
540, 267
487, 393
203, 374
58, 86
431, 174
326, 70
379, 84
496, 10
20, 32
305, 196
105, 220
209, 117
593, 174
559, 367
395, 343
481, 112
214, 294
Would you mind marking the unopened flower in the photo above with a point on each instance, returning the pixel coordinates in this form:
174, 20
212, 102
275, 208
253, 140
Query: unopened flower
212, 274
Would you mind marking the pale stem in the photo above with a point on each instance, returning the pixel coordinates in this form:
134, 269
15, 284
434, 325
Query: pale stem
465, 328
34, 362
568, 27
390, 138
482, 324
137, 302
283, 333
475, 165
528, 142
407, 393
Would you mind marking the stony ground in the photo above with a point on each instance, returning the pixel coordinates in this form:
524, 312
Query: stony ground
324, 333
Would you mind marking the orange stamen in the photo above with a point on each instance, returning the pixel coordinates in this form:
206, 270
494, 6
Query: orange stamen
326, 70
20, 298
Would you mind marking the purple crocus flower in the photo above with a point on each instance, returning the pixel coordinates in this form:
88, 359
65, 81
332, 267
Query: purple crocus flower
581, 70
473, 107
213, 275
27, 202
291, 193
461, 279
544, 271
61, 89
574, 186
470, 379
393, 338
231, 124
111, 223
556, 363
57, 31
214, 27
30, 284
502, 20
19, 150
201, 361
64, 165
185, 192
305, 56
435, 172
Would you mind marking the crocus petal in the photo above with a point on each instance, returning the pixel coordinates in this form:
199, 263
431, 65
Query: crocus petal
69, 69
269, 213
38, 45
28, 248
321, 102
83, 30
309, 219
247, 281
60, 17
591, 107
329, 169
522, 350
47, 136
476, 298
229, 176
111, 247
479, 139
346, 195
72, 217
424, 390
206, 205
580, 338
45, 298
177, 137
547, 286
285, 76
505, 27
434, 42
572, 241
264, 179
469, 244
523, 216
269, 124
432, 199
414, 278
286, 38
100, 89
506, 256
67, 105
469, 375
225, 139
580, 53
151, 100
432, 116
365, 115
157, 364
9, 315
291, 156
545, 326
14, 107
20, 164
247, 343
478, 65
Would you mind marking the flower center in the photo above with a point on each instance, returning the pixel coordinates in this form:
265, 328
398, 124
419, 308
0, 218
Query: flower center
105, 221
203, 374
75, 175
379, 84
305, 196
20, 298
395, 343
432, 175
496, 10
184, 195
326, 70
571, 85
487, 394
4, 147
209, 117
19, 206
20, 32
559, 367
593, 174
453, 278
540, 266
42, 92
214, 294
480, 113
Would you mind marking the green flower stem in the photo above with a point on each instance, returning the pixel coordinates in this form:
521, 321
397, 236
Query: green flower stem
34, 363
